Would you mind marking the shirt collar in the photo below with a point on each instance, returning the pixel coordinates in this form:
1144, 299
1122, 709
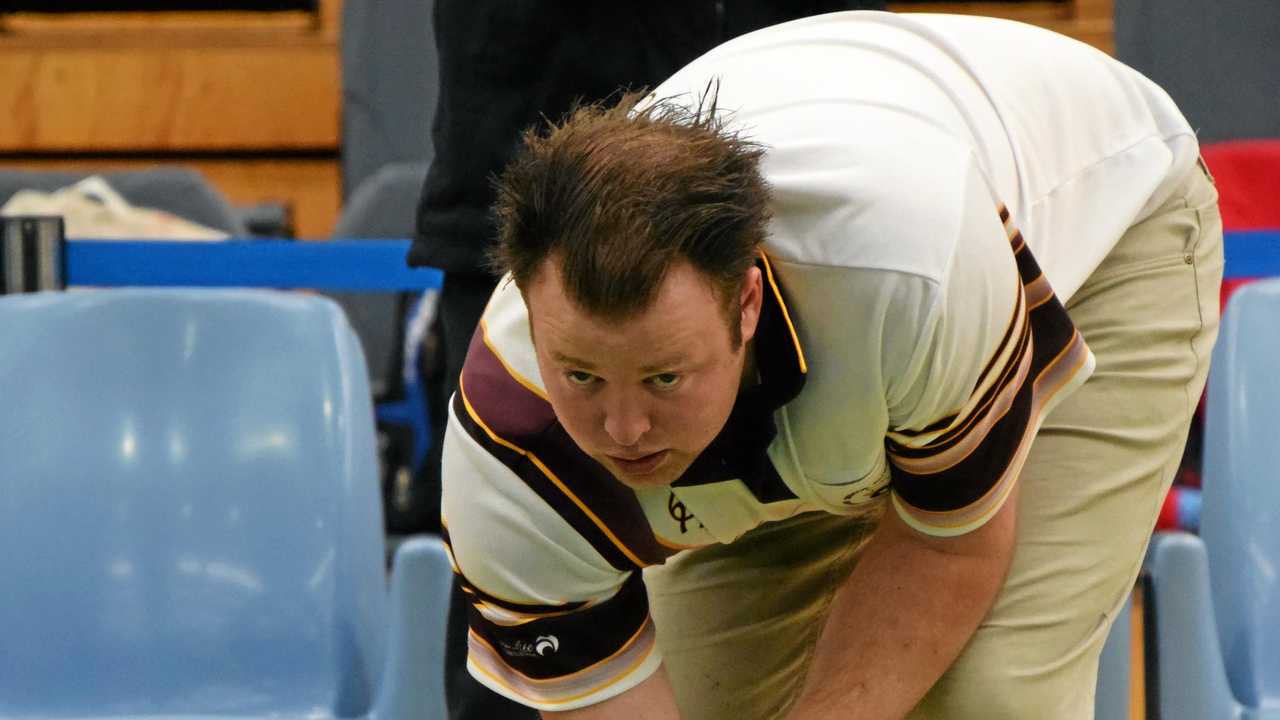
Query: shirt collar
779, 357
740, 449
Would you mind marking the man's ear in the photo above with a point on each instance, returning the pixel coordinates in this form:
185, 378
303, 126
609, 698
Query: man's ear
750, 299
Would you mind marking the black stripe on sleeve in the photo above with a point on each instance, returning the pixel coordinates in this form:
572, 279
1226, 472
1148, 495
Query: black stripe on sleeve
583, 638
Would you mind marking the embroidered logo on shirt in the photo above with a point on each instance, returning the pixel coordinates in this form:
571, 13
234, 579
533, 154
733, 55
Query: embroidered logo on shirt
542, 646
680, 513
546, 645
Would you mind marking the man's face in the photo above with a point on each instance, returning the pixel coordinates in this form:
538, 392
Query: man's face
643, 396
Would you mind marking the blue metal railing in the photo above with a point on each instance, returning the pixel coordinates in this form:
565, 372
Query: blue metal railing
379, 265
354, 265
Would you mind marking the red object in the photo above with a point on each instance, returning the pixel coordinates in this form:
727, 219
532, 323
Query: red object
1168, 517
1247, 173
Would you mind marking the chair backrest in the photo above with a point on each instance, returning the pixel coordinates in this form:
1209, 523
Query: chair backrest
1241, 516
189, 507
384, 206
389, 85
1218, 60
1111, 699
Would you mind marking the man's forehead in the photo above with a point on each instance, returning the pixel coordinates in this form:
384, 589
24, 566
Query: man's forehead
662, 359
651, 341
683, 318
679, 279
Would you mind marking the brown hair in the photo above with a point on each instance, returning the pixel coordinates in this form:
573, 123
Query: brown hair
616, 195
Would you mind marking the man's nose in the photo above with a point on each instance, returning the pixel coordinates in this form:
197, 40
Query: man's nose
626, 420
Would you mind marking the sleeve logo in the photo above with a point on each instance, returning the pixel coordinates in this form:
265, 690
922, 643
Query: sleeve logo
546, 645
542, 646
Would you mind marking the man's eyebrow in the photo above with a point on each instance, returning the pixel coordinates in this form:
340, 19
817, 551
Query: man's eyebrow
663, 365
571, 361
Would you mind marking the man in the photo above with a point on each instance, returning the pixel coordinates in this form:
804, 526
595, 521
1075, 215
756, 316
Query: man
778, 415
504, 65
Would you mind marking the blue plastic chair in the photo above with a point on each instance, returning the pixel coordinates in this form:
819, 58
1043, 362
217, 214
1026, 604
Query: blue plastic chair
1217, 597
1111, 700
189, 515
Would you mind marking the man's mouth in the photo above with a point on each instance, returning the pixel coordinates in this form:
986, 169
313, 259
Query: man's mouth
639, 464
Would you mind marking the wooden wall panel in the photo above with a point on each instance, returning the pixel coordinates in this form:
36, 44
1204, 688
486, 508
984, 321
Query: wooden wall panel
182, 86
313, 188
169, 99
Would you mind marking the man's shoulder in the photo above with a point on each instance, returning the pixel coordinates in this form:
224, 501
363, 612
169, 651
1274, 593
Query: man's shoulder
500, 386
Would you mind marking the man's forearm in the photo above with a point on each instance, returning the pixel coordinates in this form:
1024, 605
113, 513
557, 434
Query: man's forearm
902, 618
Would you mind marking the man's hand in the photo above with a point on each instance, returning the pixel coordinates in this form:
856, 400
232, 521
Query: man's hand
903, 616
650, 700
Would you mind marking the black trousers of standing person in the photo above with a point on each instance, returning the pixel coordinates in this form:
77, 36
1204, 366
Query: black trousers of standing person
462, 301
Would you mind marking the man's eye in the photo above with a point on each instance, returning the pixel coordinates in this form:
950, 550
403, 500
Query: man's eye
577, 377
665, 380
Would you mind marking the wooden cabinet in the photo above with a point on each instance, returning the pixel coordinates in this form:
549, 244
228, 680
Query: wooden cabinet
251, 99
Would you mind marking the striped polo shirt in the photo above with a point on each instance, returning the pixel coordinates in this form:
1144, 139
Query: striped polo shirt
941, 187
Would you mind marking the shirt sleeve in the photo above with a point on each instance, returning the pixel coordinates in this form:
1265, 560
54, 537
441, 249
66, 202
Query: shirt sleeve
993, 355
554, 625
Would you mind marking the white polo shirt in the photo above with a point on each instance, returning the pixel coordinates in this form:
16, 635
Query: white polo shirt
909, 343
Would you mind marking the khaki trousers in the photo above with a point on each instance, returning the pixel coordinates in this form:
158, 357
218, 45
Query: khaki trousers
737, 623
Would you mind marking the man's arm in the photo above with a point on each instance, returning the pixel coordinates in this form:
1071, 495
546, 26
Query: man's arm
903, 616
650, 700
